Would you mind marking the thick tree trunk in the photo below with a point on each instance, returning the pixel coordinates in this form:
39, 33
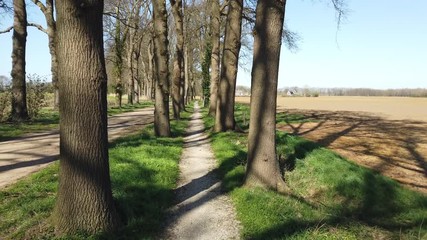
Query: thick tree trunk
19, 90
263, 166
224, 119
177, 80
161, 59
215, 30
84, 202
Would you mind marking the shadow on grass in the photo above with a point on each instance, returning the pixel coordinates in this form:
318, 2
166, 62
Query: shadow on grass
350, 199
331, 196
143, 173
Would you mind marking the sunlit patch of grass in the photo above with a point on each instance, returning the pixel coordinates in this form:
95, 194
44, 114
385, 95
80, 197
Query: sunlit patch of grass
144, 170
129, 107
331, 197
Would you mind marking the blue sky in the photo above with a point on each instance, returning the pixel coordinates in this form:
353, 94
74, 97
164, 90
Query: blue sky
382, 44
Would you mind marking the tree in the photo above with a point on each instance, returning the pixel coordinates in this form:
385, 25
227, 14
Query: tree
263, 167
215, 40
19, 95
224, 119
84, 201
206, 78
47, 10
161, 59
178, 63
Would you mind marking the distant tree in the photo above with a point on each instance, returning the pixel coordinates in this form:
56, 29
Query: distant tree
161, 62
178, 63
206, 79
48, 12
263, 167
19, 94
224, 118
215, 58
84, 200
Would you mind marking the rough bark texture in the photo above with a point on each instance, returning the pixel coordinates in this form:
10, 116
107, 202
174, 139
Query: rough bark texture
177, 80
84, 201
161, 59
263, 166
224, 119
19, 91
215, 30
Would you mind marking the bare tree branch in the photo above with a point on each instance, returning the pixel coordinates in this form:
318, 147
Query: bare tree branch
341, 10
38, 26
7, 30
40, 5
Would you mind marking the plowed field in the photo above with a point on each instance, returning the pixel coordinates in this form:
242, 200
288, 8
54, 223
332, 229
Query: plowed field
387, 134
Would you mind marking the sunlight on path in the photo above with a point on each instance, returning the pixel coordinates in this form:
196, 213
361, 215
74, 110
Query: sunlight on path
202, 210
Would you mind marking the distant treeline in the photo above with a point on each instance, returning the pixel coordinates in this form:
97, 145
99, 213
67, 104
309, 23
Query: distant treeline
404, 92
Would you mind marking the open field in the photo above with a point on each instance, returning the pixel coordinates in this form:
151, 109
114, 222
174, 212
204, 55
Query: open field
395, 108
386, 134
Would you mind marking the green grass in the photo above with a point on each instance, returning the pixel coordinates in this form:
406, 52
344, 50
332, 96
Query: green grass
332, 198
49, 120
144, 170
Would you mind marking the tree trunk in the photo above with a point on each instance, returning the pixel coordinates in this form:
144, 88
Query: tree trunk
224, 119
19, 91
215, 30
186, 75
161, 59
48, 11
177, 80
129, 57
84, 201
151, 73
263, 166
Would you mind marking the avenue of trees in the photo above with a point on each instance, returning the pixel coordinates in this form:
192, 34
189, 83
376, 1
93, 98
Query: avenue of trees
165, 51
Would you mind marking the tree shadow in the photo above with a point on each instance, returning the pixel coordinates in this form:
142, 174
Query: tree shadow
396, 148
140, 196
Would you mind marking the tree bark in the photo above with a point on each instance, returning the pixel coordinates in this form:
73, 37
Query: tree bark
224, 119
161, 59
215, 31
177, 80
19, 38
84, 202
263, 167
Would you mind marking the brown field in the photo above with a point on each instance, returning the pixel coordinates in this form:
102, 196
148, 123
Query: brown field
387, 134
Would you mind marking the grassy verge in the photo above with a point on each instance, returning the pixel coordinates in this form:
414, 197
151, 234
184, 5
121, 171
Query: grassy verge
144, 170
332, 198
49, 120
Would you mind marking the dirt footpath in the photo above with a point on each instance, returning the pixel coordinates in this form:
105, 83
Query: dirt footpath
32, 152
202, 210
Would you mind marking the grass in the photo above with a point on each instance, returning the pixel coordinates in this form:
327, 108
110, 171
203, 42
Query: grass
48, 119
144, 170
332, 198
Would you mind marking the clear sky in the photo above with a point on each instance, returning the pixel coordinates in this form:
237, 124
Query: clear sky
382, 44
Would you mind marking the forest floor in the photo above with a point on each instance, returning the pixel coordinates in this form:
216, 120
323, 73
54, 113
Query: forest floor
30, 153
202, 210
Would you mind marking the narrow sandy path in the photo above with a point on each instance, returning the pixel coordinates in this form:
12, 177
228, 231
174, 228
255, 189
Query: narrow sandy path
202, 210
28, 154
